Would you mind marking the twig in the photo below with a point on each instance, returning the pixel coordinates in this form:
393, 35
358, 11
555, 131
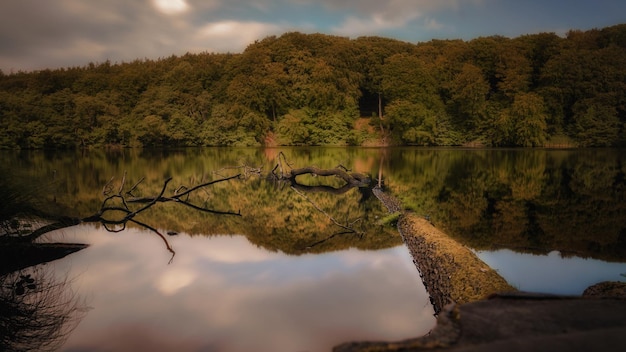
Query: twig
129, 192
328, 238
167, 244
122, 184
206, 184
346, 227
106, 189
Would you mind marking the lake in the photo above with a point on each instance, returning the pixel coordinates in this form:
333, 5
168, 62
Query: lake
263, 265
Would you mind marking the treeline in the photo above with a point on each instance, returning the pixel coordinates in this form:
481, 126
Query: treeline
533, 201
315, 89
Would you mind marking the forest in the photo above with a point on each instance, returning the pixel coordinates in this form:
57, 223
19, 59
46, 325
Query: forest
539, 90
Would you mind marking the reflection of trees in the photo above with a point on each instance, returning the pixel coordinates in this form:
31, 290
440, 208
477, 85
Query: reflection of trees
527, 200
37, 311
327, 191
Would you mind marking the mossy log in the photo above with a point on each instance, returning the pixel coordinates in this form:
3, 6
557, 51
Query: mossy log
451, 272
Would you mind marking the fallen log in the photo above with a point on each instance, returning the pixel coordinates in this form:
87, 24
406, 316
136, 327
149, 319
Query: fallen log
450, 271
351, 178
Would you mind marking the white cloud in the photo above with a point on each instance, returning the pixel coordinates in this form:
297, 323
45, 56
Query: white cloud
173, 280
374, 17
171, 7
356, 26
233, 36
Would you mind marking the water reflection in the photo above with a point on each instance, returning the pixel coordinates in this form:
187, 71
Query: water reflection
532, 201
529, 201
224, 293
551, 273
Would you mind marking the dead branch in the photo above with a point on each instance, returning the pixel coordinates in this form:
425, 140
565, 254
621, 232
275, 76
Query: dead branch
328, 238
167, 244
206, 184
122, 183
340, 166
353, 178
281, 158
349, 226
176, 197
106, 189
130, 191
119, 204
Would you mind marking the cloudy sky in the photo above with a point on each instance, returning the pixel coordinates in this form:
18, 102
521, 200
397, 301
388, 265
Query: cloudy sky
37, 34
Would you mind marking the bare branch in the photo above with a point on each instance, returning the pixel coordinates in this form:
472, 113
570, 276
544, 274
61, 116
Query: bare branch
206, 210
340, 166
130, 191
346, 227
131, 215
329, 238
206, 184
107, 188
111, 204
167, 244
122, 184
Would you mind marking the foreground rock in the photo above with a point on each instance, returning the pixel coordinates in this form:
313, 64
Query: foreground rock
519, 322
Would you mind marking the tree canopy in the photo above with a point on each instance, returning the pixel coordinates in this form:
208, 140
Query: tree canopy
314, 89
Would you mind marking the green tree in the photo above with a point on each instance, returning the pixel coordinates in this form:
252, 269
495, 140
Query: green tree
529, 120
513, 69
469, 91
412, 123
596, 123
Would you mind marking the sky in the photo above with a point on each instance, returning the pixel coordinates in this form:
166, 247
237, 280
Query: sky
40, 34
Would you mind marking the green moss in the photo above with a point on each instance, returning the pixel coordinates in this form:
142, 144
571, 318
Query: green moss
391, 219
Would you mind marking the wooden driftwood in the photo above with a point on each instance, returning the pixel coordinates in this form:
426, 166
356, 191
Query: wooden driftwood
283, 171
351, 178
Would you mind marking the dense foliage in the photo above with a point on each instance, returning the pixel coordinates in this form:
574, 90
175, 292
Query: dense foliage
531, 200
315, 89
534, 201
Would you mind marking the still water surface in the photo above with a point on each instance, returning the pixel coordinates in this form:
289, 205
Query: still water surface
222, 293
283, 276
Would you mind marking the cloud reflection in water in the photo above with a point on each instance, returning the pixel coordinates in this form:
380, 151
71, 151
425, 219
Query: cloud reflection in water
224, 293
